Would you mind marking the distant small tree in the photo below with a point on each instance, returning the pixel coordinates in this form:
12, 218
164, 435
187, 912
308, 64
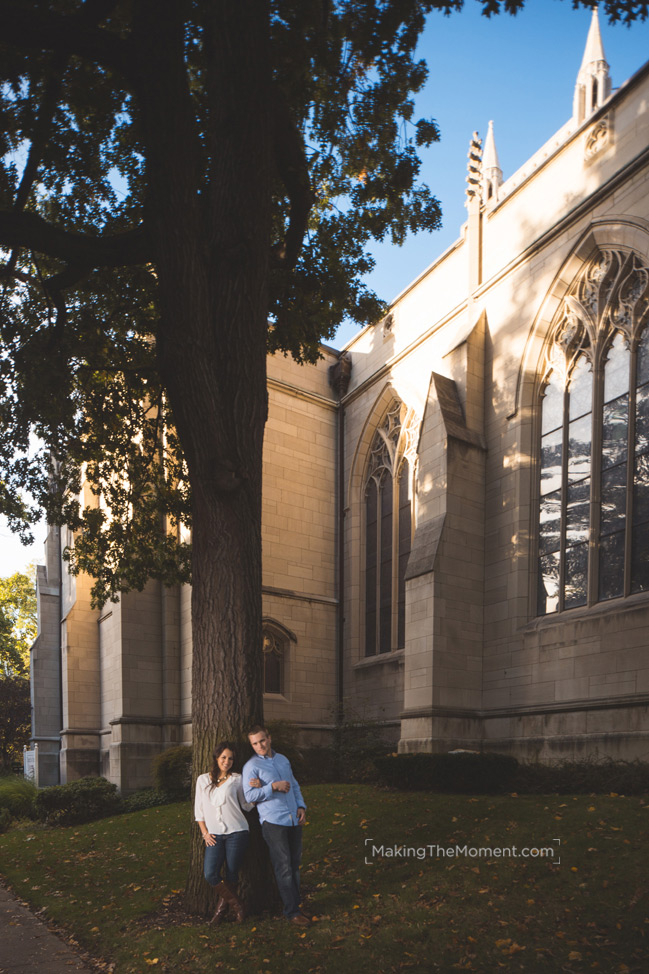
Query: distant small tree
17, 622
15, 719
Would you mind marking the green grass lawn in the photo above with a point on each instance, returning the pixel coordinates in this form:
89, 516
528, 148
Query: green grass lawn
114, 885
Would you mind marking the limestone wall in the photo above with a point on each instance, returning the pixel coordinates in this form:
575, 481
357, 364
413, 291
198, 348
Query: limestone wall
574, 683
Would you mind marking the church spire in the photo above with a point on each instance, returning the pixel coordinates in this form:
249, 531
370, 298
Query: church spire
474, 207
492, 174
593, 81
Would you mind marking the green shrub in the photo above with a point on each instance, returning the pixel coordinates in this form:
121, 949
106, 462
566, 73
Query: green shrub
5, 819
586, 777
460, 773
319, 766
145, 798
79, 801
354, 756
499, 773
172, 771
359, 738
17, 796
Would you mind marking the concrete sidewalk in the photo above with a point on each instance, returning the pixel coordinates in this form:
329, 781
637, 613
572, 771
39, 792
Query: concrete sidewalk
27, 946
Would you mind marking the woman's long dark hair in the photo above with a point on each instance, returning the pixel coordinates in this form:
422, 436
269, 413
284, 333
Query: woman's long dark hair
215, 771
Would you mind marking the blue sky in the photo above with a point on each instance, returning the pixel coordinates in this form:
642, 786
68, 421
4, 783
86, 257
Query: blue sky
519, 71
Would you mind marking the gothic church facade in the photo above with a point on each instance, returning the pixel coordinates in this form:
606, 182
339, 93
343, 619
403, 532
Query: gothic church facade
456, 506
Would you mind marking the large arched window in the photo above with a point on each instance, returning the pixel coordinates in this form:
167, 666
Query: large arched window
593, 530
388, 530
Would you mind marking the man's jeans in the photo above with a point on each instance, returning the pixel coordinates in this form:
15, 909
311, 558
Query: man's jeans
285, 847
230, 849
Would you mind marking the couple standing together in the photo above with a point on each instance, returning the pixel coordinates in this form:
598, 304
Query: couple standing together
267, 781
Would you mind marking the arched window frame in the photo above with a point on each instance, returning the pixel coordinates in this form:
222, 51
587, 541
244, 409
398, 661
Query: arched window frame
605, 310
389, 478
276, 640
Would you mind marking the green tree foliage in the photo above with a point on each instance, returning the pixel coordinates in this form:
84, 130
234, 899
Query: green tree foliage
17, 622
82, 302
15, 719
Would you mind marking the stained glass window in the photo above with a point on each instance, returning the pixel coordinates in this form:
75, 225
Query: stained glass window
593, 529
640, 533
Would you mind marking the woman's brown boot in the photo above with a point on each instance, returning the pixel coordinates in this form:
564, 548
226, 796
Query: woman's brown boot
222, 905
236, 905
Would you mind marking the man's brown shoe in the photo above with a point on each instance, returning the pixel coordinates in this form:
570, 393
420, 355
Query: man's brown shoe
300, 920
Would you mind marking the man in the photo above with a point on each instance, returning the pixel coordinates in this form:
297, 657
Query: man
268, 781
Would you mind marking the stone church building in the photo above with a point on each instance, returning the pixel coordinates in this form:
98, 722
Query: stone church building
456, 505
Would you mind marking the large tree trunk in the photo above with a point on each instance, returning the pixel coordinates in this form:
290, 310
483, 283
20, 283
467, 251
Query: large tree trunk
211, 204
226, 629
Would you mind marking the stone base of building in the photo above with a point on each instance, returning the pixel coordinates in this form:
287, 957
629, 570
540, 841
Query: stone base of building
440, 730
46, 770
615, 729
79, 756
129, 748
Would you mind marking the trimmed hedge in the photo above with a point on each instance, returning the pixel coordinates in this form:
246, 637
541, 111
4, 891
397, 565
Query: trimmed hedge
461, 773
490, 773
79, 801
601, 777
172, 771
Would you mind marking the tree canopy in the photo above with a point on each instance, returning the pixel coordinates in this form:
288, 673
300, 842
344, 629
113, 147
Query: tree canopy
15, 720
81, 294
17, 622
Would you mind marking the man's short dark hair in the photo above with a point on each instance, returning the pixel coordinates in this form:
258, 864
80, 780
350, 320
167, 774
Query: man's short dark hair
258, 729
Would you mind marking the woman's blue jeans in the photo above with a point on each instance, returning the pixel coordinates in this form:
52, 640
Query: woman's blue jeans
229, 849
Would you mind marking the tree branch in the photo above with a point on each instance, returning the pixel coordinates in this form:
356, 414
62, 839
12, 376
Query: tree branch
293, 170
41, 129
9, 273
39, 138
54, 287
79, 249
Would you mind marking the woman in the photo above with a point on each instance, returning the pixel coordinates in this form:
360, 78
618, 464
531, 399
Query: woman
218, 810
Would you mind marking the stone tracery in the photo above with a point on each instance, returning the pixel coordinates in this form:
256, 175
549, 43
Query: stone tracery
592, 394
388, 527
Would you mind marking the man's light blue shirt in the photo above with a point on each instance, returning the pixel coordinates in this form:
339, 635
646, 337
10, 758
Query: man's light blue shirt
276, 807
